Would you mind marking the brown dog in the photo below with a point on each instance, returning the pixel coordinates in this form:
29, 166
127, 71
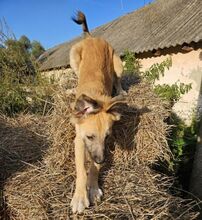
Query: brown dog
99, 70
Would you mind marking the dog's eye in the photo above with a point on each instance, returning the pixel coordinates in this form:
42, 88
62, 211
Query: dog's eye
90, 137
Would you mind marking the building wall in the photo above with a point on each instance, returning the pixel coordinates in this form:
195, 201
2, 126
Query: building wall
186, 68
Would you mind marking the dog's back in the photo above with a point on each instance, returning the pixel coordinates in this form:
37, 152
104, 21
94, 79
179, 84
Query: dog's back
96, 65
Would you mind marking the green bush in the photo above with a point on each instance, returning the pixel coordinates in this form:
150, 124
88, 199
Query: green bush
184, 137
183, 140
132, 65
12, 99
22, 89
29, 96
172, 93
157, 70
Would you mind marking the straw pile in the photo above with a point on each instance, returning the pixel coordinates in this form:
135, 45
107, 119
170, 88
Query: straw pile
132, 190
20, 143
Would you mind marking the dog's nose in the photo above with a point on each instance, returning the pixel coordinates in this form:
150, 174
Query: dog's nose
98, 159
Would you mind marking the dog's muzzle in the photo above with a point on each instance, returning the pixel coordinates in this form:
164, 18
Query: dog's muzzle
98, 159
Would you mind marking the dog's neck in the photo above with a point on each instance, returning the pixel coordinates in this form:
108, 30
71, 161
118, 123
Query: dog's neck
93, 90
94, 84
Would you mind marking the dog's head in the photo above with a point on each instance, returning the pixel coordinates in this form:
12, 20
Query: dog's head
94, 120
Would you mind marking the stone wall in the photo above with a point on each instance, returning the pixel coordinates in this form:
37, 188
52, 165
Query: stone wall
61, 76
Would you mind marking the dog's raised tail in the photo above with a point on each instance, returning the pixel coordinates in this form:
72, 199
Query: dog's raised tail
80, 19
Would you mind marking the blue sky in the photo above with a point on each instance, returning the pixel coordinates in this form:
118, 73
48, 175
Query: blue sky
48, 21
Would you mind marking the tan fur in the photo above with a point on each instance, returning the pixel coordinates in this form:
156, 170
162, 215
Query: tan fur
98, 69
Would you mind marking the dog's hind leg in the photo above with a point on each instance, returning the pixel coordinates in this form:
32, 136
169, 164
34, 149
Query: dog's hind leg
95, 193
75, 57
80, 199
118, 69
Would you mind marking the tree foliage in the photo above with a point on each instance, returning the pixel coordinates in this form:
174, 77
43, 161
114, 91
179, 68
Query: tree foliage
24, 40
15, 60
37, 49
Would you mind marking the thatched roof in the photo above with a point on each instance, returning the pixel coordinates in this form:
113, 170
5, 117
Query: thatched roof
162, 24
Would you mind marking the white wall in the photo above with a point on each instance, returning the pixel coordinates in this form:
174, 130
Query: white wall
187, 68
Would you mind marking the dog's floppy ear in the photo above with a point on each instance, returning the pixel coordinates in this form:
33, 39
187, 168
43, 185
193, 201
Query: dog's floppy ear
85, 105
114, 106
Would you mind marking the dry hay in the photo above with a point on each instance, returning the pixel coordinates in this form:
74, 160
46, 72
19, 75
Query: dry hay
132, 190
21, 141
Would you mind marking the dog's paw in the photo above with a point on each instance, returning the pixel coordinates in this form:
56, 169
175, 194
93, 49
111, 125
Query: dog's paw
95, 194
79, 202
123, 93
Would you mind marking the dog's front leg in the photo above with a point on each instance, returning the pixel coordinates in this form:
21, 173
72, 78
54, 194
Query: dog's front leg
95, 193
118, 87
80, 199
